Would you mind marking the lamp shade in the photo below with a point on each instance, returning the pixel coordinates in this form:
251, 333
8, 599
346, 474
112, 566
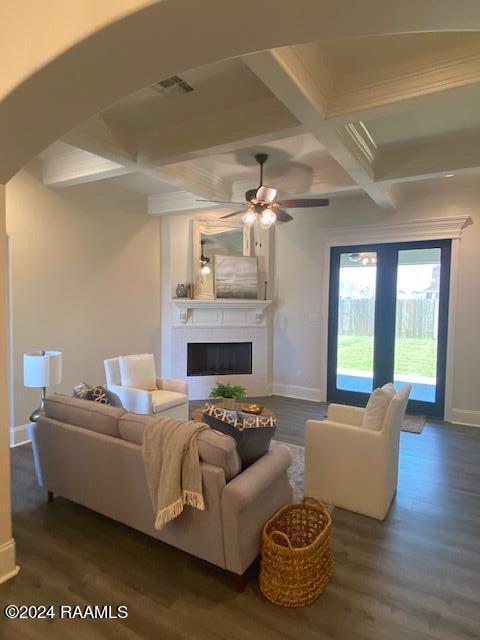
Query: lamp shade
42, 368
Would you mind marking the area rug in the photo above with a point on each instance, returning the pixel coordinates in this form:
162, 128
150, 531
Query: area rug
413, 424
296, 471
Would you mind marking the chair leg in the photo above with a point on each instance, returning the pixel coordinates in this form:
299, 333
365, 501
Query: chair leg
50, 496
240, 582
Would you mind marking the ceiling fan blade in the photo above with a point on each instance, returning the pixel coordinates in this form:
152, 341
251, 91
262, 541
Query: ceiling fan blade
283, 216
304, 202
266, 194
230, 215
241, 204
250, 194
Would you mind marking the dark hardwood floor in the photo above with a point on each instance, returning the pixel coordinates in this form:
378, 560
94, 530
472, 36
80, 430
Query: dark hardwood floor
415, 576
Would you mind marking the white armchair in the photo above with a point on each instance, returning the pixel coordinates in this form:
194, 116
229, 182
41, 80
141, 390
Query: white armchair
168, 398
353, 467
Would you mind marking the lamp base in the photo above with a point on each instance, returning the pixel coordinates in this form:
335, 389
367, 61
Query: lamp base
36, 414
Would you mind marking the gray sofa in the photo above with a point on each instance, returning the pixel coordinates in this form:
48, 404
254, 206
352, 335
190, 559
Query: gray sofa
91, 454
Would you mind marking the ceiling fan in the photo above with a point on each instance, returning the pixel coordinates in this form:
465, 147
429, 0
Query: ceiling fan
262, 205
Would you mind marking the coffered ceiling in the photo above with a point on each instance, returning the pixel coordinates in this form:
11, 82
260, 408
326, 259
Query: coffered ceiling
361, 116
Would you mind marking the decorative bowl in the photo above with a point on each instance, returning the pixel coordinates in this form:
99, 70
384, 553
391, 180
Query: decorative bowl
254, 408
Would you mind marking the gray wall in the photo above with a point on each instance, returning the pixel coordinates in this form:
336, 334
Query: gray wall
85, 279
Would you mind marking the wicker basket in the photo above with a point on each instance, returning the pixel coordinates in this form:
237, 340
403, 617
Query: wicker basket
296, 563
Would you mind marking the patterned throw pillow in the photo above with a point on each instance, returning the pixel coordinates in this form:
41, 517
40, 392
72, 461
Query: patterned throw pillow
97, 394
82, 391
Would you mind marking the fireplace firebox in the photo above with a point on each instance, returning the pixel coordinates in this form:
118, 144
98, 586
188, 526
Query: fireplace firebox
219, 358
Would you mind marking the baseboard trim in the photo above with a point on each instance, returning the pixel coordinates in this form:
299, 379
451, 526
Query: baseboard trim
467, 418
8, 562
301, 393
19, 435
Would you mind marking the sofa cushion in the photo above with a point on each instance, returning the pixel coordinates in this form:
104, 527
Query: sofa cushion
376, 408
138, 371
162, 400
84, 413
214, 448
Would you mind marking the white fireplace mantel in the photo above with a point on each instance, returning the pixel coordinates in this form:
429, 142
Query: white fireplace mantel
227, 312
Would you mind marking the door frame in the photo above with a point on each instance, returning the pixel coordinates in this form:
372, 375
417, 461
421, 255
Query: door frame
445, 227
384, 350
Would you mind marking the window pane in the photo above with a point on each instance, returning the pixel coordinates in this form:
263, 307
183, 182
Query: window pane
356, 317
416, 329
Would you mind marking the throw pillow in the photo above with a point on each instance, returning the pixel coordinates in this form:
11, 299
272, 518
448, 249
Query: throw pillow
97, 394
138, 371
112, 398
82, 391
376, 409
253, 441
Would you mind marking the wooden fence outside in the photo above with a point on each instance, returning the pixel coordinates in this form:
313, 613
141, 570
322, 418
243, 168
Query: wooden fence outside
415, 318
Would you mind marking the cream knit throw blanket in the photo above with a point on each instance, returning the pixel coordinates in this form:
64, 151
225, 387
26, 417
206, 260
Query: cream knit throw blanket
172, 466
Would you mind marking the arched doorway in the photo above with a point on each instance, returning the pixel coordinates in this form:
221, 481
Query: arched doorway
91, 60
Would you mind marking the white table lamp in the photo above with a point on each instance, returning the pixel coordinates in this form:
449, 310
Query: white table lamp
40, 370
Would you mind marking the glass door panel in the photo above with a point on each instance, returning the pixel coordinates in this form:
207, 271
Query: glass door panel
417, 315
388, 320
356, 321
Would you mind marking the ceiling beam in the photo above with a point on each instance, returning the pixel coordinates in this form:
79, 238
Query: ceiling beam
78, 167
97, 137
296, 77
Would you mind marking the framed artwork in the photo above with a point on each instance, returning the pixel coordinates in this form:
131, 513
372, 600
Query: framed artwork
236, 277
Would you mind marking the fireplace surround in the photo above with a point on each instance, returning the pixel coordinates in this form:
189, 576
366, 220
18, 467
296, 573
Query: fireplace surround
221, 322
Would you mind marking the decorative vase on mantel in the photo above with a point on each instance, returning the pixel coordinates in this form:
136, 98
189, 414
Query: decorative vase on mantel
181, 291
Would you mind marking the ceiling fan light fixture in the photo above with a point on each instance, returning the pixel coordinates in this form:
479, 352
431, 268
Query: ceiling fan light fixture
267, 218
266, 194
249, 218
205, 269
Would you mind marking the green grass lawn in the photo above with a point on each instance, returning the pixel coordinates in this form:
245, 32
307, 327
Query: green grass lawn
412, 355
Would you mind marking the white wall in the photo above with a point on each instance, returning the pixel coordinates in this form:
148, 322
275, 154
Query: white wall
85, 279
299, 267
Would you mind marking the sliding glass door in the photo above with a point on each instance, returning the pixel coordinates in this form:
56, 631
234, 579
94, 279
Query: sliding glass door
388, 316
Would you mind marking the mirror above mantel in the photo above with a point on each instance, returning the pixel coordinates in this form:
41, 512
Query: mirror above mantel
210, 237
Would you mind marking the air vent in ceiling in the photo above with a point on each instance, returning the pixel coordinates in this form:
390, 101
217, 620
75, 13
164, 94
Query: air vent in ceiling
172, 87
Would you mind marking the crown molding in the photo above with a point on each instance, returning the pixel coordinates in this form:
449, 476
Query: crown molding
358, 139
407, 81
441, 228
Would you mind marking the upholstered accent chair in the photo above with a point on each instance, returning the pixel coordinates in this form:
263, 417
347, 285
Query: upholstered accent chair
352, 464
135, 382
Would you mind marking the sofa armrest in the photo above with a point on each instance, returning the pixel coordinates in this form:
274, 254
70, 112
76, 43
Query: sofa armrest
134, 400
251, 483
249, 501
170, 384
345, 414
